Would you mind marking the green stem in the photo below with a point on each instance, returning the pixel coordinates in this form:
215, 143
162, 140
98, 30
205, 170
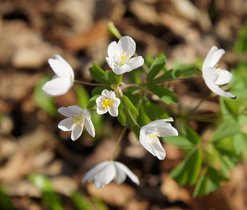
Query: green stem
90, 83
118, 142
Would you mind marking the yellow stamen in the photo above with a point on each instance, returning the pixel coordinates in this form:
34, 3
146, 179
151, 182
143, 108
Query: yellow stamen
123, 58
152, 136
107, 103
78, 119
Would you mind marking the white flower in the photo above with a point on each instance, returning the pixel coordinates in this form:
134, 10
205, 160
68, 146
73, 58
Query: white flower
119, 56
108, 102
63, 80
107, 171
149, 136
214, 76
76, 120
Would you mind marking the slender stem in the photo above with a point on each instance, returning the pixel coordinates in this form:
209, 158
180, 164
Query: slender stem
90, 83
118, 142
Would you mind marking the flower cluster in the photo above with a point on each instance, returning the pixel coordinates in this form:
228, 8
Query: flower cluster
120, 59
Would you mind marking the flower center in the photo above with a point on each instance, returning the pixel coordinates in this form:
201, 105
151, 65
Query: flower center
152, 136
107, 103
78, 119
123, 58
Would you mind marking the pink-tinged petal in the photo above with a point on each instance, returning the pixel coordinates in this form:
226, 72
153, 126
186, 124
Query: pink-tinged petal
113, 49
113, 111
129, 173
128, 45
135, 62
58, 86
89, 127
61, 67
152, 145
224, 77
76, 132
66, 124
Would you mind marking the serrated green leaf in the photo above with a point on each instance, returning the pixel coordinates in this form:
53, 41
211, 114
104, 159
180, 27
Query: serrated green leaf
209, 181
188, 170
157, 66
98, 74
82, 96
42, 100
164, 94
190, 134
121, 115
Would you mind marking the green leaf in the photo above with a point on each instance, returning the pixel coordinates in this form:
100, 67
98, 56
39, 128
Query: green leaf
241, 42
121, 115
44, 101
80, 201
98, 74
156, 111
143, 118
49, 197
92, 102
225, 146
190, 134
225, 129
100, 205
82, 96
240, 145
209, 181
5, 200
130, 110
165, 94
157, 66
179, 141
186, 70
188, 170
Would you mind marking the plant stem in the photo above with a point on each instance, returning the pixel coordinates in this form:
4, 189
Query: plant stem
90, 83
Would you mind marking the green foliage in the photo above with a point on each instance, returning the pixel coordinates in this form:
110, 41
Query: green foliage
42, 100
82, 96
156, 67
80, 201
5, 200
241, 42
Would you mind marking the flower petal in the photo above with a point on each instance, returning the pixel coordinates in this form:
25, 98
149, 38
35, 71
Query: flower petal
116, 102
113, 49
121, 167
101, 110
89, 127
65, 111
76, 110
128, 45
166, 130
66, 124
76, 132
121, 69
61, 67
212, 57
105, 93
113, 111
210, 78
57, 86
224, 77
152, 145
135, 62
120, 174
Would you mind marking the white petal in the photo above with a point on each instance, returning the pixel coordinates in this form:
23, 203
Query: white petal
105, 175
128, 45
57, 86
101, 110
135, 62
89, 127
129, 173
66, 124
89, 176
224, 77
160, 122
113, 111
99, 100
65, 111
121, 69
76, 132
111, 95
110, 62
113, 49
76, 110
120, 174
105, 93
212, 57
152, 145
210, 77
116, 102
61, 67
166, 130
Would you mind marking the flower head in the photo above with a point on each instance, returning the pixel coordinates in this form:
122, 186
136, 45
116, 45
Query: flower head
150, 133
119, 56
214, 76
63, 80
108, 102
107, 171
75, 121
